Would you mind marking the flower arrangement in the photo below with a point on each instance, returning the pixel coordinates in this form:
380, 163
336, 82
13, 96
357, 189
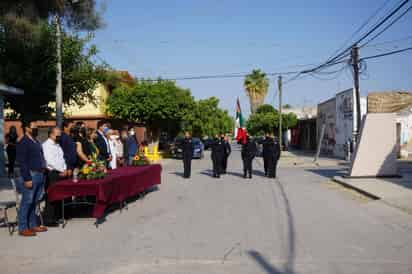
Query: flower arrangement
140, 160
93, 169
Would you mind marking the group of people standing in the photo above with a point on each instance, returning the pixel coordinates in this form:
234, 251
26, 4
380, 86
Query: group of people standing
60, 157
221, 150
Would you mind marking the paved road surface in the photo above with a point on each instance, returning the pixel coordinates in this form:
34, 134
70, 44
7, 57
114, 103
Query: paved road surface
300, 223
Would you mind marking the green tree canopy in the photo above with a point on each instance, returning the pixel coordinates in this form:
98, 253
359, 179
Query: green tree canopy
77, 14
266, 120
154, 104
207, 119
30, 64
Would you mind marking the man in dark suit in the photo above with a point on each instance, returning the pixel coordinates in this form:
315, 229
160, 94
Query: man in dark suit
268, 145
102, 143
187, 147
226, 153
217, 156
248, 153
69, 147
276, 156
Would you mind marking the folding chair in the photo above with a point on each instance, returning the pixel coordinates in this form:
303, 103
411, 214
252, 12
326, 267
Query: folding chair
9, 204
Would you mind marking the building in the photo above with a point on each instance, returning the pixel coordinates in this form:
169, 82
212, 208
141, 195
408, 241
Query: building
338, 118
303, 135
399, 102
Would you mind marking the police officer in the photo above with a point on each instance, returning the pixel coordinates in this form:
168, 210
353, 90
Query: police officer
226, 152
187, 147
267, 153
276, 156
217, 156
248, 153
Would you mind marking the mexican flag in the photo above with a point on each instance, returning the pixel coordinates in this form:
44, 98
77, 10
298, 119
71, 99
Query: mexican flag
240, 131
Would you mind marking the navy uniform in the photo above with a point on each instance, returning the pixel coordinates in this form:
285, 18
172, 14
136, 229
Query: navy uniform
249, 151
268, 155
226, 153
187, 147
217, 156
276, 156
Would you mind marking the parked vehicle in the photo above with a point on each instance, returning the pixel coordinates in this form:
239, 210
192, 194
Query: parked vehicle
207, 143
177, 151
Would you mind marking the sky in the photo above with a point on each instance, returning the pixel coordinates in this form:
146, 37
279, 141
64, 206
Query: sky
172, 39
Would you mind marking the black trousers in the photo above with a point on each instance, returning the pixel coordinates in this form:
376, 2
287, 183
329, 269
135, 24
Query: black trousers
11, 156
53, 210
217, 165
224, 163
247, 166
266, 164
274, 166
187, 166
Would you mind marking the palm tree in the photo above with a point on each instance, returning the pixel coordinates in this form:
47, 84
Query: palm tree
256, 85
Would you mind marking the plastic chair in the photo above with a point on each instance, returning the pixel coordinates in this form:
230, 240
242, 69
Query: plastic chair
9, 204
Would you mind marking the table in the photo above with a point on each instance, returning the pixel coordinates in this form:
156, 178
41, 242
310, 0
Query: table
116, 187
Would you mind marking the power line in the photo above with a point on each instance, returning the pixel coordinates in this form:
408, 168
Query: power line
386, 54
378, 25
361, 27
389, 42
388, 26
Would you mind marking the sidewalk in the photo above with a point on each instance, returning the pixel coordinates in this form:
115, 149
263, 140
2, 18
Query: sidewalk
396, 192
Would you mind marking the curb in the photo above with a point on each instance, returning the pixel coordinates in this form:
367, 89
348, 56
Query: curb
342, 181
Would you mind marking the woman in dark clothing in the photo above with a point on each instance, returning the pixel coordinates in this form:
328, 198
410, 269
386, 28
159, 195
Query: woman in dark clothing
11, 139
85, 147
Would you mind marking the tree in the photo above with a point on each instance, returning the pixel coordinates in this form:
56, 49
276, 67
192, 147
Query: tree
154, 104
207, 119
266, 120
29, 64
286, 106
76, 14
256, 85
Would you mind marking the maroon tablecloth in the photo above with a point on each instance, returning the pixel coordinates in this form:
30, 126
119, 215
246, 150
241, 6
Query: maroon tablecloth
117, 186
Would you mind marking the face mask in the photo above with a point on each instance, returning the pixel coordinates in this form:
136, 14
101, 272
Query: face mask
114, 137
106, 130
131, 132
58, 138
34, 132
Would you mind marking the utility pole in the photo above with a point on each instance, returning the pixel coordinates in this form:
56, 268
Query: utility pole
280, 110
59, 86
355, 64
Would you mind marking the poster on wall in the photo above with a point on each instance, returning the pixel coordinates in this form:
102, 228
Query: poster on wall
327, 117
344, 120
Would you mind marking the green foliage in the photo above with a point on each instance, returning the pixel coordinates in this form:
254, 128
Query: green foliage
256, 85
286, 106
77, 14
266, 119
154, 104
265, 109
28, 61
207, 119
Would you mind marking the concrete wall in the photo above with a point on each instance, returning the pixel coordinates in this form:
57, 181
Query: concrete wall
376, 156
327, 116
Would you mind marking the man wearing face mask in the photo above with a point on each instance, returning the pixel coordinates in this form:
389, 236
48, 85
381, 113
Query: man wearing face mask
56, 170
69, 147
132, 146
102, 143
32, 167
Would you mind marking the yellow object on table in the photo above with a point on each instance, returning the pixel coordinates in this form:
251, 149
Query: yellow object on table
152, 156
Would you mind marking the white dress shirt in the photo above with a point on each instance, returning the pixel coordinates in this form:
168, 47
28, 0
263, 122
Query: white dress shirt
54, 156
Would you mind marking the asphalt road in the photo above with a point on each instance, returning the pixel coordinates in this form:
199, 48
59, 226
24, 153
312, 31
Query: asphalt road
299, 223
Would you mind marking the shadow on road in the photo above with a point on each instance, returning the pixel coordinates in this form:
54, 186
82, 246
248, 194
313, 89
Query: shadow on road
329, 172
177, 173
288, 267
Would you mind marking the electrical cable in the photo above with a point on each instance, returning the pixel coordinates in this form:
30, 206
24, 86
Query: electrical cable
385, 54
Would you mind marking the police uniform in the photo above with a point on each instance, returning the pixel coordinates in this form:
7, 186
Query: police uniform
187, 147
217, 156
248, 153
227, 150
276, 156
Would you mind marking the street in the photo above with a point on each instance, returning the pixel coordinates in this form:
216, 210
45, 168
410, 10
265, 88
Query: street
298, 223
